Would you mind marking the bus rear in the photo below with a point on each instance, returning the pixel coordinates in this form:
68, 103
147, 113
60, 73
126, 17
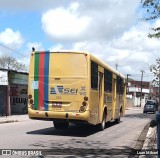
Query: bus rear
58, 87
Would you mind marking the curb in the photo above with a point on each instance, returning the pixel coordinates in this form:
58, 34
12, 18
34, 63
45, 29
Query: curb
8, 121
13, 118
129, 108
150, 142
146, 141
138, 145
142, 138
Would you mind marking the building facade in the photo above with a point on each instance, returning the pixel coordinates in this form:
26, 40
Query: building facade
13, 92
138, 93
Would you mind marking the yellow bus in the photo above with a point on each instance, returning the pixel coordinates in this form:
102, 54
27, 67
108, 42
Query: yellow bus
74, 87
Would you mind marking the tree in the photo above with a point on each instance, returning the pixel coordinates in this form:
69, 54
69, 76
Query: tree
155, 69
11, 63
152, 12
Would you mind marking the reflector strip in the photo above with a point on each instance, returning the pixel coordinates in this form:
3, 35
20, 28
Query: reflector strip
41, 81
46, 78
36, 78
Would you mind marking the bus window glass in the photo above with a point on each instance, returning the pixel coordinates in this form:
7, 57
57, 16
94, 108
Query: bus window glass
107, 81
120, 85
94, 75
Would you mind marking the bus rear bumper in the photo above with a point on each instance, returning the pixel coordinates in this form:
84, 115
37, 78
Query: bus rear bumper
51, 116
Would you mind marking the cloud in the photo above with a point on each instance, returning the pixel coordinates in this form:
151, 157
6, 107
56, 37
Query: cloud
57, 47
64, 24
89, 20
132, 51
10, 41
30, 5
11, 38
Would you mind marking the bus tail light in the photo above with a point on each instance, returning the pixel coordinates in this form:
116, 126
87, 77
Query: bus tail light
31, 101
82, 108
85, 98
29, 96
84, 104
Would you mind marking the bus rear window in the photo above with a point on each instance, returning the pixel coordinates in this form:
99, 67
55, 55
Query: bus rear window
68, 65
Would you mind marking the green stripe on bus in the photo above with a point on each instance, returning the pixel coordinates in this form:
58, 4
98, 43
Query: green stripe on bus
36, 78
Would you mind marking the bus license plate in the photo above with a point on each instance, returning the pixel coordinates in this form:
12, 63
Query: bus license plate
56, 104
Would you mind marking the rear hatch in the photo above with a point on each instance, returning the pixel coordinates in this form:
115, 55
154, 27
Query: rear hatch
59, 81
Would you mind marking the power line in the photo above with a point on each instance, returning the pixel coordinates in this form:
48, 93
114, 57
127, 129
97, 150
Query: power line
141, 74
141, 87
12, 50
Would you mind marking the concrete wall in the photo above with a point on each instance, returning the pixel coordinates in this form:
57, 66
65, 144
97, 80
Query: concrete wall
135, 102
18, 98
129, 103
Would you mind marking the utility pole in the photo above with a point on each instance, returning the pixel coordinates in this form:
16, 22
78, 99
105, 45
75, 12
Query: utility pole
116, 64
159, 87
158, 113
141, 87
127, 76
127, 82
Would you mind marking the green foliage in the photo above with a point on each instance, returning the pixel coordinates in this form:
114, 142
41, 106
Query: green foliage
10, 63
155, 69
152, 8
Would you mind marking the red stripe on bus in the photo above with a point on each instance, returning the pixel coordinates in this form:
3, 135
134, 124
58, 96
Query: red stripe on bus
41, 81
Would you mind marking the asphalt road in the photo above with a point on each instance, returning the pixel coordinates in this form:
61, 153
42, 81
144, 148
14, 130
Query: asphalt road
32, 134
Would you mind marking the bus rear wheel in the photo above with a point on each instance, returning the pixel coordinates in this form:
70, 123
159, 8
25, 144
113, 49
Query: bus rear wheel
117, 120
61, 125
102, 125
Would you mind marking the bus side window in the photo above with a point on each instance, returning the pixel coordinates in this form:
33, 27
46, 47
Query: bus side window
120, 85
107, 81
94, 75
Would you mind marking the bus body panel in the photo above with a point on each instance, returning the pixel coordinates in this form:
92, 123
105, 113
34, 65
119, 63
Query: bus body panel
94, 103
58, 89
50, 115
108, 102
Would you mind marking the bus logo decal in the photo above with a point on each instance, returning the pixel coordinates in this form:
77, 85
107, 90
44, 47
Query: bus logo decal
62, 90
56, 90
82, 90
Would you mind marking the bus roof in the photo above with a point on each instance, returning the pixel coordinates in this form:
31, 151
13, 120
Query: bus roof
92, 57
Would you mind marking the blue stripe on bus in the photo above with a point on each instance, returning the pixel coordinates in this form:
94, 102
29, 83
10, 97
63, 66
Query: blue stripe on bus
46, 79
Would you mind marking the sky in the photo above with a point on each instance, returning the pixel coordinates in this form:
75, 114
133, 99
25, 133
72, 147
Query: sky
111, 30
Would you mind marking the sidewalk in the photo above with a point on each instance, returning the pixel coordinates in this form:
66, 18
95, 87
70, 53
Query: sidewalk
150, 144
134, 107
13, 118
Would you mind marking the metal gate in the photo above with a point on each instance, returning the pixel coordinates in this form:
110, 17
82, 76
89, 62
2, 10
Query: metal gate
3, 100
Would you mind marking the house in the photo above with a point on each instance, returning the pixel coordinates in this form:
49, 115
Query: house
13, 92
137, 95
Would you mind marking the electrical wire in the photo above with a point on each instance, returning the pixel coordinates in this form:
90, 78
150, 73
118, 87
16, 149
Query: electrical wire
12, 50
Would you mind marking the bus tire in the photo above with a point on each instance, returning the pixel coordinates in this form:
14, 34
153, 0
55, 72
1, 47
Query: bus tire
61, 125
117, 120
102, 125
